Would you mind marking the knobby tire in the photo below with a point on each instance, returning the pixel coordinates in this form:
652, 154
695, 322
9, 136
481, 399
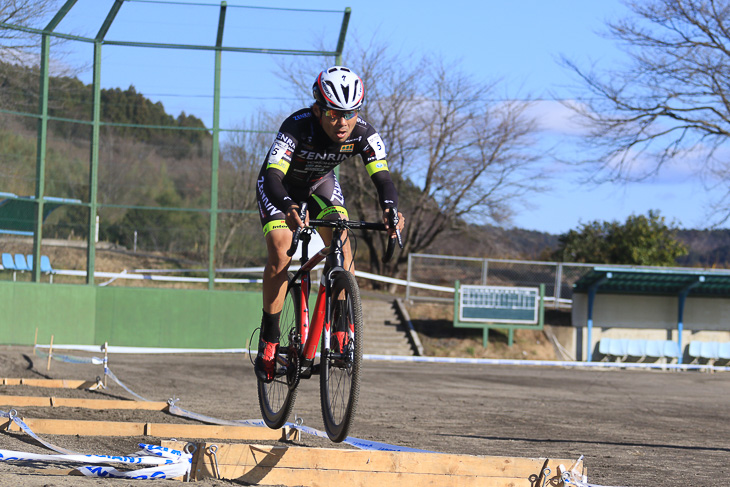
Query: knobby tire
276, 398
340, 374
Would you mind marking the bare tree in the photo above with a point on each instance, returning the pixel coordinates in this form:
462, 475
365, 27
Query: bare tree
241, 158
457, 154
16, 44
671, 102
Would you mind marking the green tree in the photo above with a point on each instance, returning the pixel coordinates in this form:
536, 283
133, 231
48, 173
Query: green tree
641, 240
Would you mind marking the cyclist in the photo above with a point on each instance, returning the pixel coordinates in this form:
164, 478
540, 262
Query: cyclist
300, 166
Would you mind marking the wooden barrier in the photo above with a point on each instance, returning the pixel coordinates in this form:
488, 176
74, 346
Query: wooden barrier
159, 430
55, 402
283, 465
51, 383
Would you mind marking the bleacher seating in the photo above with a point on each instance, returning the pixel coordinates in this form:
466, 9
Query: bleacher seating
46, 265
20, 263
9, 264
709, 351
622, 348
725, 351
23, 263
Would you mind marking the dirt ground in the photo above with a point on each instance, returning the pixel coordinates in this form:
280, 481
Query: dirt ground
635, 428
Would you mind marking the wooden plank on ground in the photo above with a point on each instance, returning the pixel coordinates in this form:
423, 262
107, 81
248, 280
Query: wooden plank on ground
51, 383
276, 465
35, 401
160, 430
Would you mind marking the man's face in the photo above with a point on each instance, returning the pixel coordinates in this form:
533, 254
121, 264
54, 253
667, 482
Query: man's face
335, 122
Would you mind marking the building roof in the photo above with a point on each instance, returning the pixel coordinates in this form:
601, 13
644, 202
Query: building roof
656, 281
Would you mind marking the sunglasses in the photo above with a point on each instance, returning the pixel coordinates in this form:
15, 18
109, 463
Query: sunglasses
336, 114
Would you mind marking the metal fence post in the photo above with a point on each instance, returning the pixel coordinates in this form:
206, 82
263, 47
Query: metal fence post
408, 277
558, 284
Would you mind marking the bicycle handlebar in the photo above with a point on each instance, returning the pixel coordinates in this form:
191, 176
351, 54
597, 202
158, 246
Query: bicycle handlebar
344, 224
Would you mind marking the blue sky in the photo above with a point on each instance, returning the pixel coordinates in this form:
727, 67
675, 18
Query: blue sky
519, 42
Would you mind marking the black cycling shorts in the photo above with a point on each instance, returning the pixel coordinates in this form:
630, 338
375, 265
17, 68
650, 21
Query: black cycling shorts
324, 197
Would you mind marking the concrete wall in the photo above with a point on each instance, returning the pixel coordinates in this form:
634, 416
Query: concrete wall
648, 318
126, 316
655, 312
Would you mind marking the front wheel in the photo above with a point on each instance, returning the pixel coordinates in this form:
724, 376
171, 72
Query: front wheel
340, 362
276, 398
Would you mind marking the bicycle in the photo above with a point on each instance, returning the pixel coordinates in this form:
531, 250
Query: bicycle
337, 308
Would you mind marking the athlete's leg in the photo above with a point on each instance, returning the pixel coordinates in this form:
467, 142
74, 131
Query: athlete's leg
328, 203
275, 271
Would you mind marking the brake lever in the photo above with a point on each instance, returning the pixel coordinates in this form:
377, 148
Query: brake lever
298, 231
393, 220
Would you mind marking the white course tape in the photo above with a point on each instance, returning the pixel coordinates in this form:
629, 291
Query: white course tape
411, 358
71, 359
545, 363
356, 442
575, 479
12, 415
177, 411
113, 377
144, 350
168, 463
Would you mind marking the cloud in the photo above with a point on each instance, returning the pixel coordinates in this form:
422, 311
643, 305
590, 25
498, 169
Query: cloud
556, 118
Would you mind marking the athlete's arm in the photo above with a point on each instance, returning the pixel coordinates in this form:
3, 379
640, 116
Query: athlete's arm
277, 165
387, 194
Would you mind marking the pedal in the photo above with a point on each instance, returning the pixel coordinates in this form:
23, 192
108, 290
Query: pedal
305, 373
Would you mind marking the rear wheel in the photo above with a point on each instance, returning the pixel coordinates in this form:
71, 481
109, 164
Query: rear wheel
340, 365
276, 398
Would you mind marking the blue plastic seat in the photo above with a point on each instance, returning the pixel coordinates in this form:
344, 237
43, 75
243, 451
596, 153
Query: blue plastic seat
694, 349
671, 349
655, 348
8, 262
619, 347
637, 348
604, 346
46, 265
20, 263
709, 350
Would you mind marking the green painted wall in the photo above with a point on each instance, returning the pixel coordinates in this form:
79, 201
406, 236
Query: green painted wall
126, 316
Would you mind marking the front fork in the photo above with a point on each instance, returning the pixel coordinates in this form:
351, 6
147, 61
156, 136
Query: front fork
321, 319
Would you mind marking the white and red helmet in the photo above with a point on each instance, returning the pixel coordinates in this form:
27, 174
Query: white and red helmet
339, 88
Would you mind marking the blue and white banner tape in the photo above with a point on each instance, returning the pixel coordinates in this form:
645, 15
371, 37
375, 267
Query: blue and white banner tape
173, 464
357, 442
134, 459
168, 463
110, 374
